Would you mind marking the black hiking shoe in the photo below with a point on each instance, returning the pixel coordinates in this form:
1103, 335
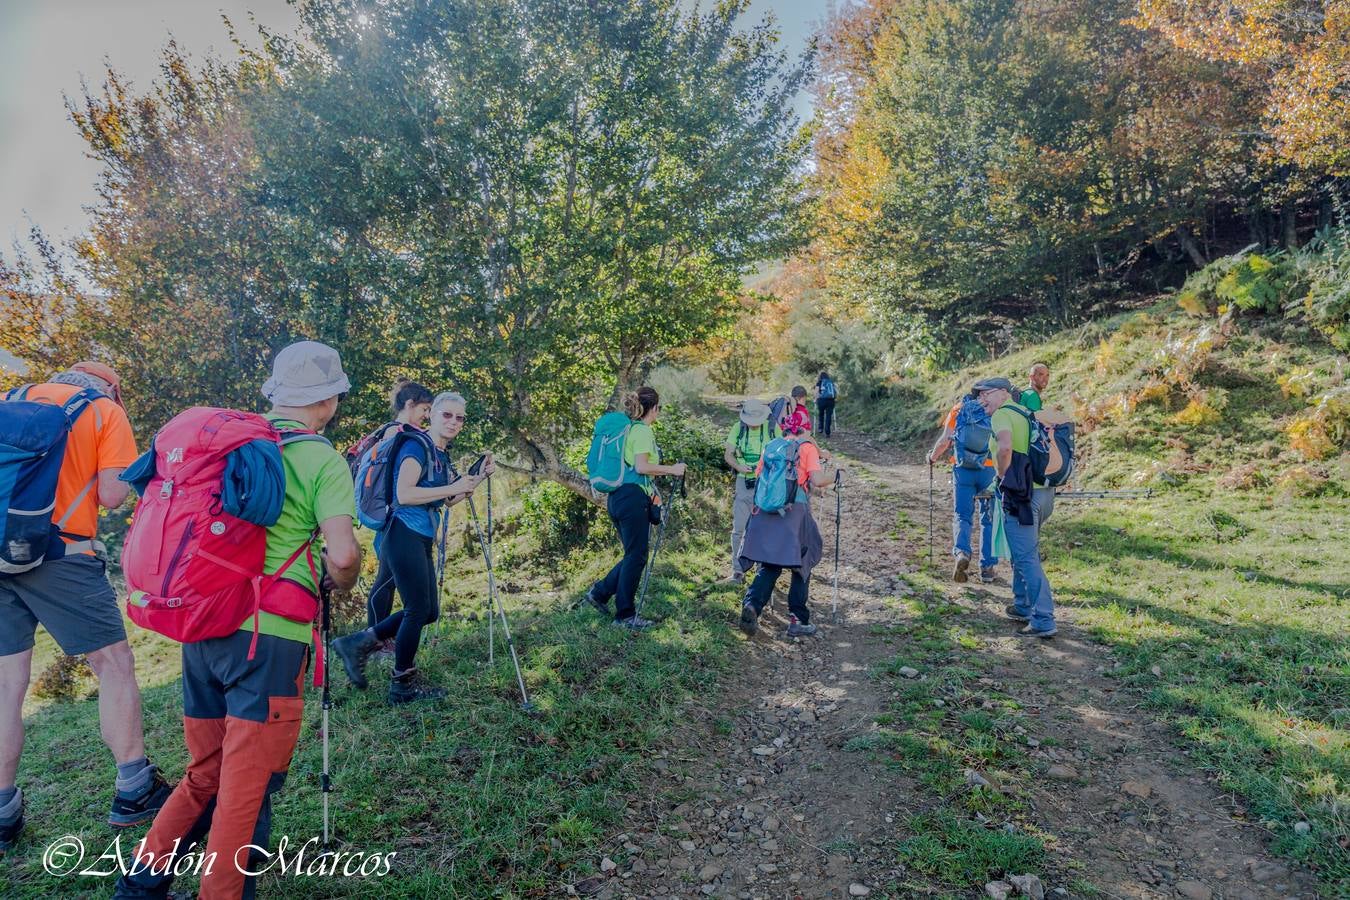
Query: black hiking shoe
10, 833
410, 687
634, 623
354, 650
1031, 632
596, 601
961, 574
1014, 614
128, 813
988, 574
749, 618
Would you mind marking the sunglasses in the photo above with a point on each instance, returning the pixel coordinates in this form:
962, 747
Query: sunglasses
454, 417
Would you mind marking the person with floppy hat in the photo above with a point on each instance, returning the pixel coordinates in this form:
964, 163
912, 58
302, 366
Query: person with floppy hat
242, 708
68, 593
744, 446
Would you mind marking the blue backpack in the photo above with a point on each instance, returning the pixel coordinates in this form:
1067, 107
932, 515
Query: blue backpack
605, 466
777, 486
1038, 449
32, 446
973, 431
827, 389
376, 496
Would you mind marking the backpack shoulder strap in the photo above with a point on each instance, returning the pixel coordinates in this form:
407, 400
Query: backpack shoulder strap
299, 436
20, 392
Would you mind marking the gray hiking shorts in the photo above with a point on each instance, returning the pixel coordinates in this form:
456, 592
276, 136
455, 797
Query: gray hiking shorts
70, 597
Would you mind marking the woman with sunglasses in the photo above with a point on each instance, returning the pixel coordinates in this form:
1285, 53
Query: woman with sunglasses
425, 483
633, 508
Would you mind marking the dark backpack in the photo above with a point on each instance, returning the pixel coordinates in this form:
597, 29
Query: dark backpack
776, 409
973, 431
1038, 448
32, 445
362, 447
376, 495
827, 389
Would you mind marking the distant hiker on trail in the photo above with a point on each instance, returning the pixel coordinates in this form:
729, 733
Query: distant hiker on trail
425, 479
243, 694
744, 446
634, 506
967, 436
826, 395
1026, 506
782, 533
411, 404
52, 572
1038, 378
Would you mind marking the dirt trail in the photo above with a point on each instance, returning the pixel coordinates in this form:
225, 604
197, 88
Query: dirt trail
758, 797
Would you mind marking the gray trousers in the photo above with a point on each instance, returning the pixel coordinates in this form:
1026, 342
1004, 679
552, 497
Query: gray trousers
740, 515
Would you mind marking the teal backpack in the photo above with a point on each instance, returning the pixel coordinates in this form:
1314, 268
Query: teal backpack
777, 486
604, 461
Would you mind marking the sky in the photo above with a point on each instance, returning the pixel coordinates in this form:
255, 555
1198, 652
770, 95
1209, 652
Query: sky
48, 46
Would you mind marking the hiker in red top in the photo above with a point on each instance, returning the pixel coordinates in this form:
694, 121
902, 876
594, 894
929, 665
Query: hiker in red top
69, 595
242, 710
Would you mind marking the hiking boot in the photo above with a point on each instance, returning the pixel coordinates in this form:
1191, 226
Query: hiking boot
797, 629
634, 623
961, 574
1032, 632
749, 618
354, 650
410, 687
1014, 613
10, 833
988, 574
594, 599
128, 812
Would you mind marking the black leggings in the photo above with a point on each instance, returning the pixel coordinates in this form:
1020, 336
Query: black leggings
380, 602
408, 555
825, 416
631, 511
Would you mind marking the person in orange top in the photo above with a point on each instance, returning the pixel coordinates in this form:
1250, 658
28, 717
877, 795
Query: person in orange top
70, 596
966, 485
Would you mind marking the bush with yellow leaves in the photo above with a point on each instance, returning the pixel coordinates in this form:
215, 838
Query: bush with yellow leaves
1322, 429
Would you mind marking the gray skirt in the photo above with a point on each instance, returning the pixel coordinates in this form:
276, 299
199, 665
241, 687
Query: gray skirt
790, 540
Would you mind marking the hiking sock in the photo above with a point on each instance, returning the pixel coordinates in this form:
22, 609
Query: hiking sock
133, 778
11, 804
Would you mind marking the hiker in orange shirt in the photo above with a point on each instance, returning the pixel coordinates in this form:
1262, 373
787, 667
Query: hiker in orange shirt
69, 595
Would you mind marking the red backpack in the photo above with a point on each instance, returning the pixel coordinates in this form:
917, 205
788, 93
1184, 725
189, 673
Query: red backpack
193, 571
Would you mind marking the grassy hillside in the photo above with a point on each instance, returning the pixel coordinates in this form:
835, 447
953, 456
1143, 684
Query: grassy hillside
1226, 595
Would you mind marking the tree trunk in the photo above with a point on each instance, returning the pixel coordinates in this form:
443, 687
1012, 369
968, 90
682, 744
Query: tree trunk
545, 462
1189, 246
1289, 225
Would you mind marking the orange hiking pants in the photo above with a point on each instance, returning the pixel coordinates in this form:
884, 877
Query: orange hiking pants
241, 719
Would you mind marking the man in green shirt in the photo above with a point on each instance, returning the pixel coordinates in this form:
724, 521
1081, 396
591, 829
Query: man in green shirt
744, 446
243, 701
1039, 378
1033, 601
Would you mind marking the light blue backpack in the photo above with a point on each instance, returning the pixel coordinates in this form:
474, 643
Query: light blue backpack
777, 486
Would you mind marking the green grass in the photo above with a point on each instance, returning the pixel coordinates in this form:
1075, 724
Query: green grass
960, 853
1247, 629
475, 797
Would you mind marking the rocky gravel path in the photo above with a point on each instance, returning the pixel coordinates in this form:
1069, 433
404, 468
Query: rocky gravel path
759, 797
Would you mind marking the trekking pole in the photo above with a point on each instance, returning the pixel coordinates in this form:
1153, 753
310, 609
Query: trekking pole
492, 581
660, 533
1105, 495
325, 781
930, 513
440, 567
495, 602
838, 516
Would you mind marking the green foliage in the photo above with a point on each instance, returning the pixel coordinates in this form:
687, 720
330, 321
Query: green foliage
963, 854
1324, 265
1257, 283
559, 518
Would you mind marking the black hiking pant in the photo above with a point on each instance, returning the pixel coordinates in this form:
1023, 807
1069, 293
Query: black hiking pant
380, 603
409, 557
761, 589
825, 416
630, 509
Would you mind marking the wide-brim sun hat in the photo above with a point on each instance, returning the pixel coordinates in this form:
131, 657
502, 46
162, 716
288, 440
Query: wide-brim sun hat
754, 413
305, 372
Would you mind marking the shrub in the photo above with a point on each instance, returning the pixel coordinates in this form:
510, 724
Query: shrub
63, 679
1303, 481
1324, 266
1257, 283
680, 386
559, 517
1324, 428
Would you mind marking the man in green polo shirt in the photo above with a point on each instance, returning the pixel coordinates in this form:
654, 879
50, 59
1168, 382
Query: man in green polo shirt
744, 446
242, 702
1039, 379
1033, 601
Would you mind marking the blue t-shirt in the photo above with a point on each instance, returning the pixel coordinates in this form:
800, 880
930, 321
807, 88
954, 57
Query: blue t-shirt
423, 519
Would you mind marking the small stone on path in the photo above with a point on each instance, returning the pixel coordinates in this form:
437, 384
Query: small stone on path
998, 890
1137, 789
1194, 890
1028, 886
858, 890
